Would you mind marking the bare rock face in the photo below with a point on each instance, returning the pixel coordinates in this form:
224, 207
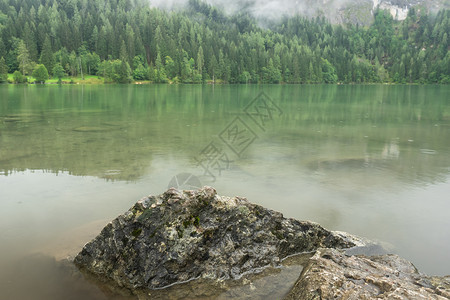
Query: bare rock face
183, 235
331, 274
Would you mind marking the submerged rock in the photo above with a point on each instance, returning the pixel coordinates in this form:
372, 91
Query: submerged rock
184, 235
331, 274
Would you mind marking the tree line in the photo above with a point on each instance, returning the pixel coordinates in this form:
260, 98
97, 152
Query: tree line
125, 40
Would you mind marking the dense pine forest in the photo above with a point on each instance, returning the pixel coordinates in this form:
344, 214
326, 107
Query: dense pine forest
125, 40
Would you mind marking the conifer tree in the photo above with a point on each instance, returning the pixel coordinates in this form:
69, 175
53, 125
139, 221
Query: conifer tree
47, 57
23, 57
3, 70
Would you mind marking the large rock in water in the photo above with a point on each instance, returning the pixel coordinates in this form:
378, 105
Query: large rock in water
182, 235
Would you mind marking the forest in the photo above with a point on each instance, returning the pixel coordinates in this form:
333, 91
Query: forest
127, 40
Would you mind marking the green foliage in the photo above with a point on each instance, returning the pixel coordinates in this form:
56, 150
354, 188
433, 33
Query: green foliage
151, 73
18, 77
244, 77
92, 61
23, 57
271, 74
47, 58
328, 72
124, 73
2, 47
203, 43
161, 76
170, 67
140, 73
117, 71
40, 73
58, 72
3, 70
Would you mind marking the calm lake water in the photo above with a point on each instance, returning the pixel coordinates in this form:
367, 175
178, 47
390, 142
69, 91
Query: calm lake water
371, 160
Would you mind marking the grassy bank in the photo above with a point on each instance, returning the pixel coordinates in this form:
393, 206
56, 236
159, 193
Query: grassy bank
88, 79
94, 79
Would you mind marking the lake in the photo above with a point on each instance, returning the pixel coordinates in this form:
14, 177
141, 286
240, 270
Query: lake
372, 160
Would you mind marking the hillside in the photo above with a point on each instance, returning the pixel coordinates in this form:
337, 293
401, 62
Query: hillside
123, 40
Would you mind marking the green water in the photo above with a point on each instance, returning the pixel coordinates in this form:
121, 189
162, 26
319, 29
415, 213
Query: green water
371, 160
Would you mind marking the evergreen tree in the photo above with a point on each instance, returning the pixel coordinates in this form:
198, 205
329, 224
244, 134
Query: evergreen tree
2, 48
124, 73
123, 51
204, 43
29, 39
23, 57
212, 68
73, 64
171, 67
58, 72
47, 57
328, 72
3, 70
151, 73
161, 75
200, 60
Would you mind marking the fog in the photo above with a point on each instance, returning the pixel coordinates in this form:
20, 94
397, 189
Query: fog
336, 11
270, 9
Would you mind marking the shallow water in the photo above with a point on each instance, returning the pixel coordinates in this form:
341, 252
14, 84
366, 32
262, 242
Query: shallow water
370, 160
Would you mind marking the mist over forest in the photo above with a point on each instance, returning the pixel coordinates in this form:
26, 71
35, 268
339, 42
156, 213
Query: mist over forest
126, 40
336, 11
271, 9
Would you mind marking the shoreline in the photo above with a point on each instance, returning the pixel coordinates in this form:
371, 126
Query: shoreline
98, 80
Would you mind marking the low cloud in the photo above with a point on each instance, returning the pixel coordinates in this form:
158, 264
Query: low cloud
269, 9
